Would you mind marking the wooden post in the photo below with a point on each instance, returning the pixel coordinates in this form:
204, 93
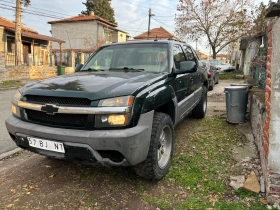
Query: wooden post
33, 52
18, 54
60, 50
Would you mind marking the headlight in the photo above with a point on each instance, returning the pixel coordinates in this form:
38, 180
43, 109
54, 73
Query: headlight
17, 96
117, 102
114, 120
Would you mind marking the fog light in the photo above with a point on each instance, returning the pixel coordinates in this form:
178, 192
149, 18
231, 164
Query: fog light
104, 119
117, 119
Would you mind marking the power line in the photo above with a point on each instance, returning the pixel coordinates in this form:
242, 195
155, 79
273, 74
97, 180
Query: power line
37, 8
139, 27
33, 12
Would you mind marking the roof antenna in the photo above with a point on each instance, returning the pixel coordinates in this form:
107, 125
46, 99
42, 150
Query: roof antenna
156, 38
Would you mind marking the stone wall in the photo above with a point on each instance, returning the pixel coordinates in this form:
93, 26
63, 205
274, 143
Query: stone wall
28, 72
257, 119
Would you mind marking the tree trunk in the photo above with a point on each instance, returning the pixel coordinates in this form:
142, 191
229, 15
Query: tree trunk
214, 52
18, 55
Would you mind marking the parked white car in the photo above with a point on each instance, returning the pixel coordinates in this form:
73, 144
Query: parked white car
222, 65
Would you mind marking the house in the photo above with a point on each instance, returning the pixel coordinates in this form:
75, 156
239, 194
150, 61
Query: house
35, 49
86, 32
157, 33
222, 57
202, 55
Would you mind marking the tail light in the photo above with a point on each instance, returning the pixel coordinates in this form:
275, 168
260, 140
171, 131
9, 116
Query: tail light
209, 74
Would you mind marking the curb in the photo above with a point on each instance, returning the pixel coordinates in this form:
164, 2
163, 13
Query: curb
6, 154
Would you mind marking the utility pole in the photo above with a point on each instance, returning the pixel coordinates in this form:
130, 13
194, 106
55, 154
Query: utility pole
196, 44
18, 32
149, 25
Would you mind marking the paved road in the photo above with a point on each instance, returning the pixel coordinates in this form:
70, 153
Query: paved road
6, 143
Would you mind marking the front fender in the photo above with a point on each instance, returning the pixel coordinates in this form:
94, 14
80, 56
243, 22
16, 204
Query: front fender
157, 98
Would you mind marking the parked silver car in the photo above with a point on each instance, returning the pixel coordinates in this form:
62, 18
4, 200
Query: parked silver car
222, 65
213, 74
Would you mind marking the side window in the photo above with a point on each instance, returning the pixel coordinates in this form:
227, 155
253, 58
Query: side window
189, 54
178, 56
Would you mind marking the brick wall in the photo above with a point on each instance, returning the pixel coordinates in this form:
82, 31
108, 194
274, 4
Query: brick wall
265, 141
271, 129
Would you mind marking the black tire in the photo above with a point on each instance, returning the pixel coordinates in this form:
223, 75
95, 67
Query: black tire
217, 80
200, 110
150, 168
211, 86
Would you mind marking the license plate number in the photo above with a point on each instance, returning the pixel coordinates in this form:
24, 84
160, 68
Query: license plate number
46, 144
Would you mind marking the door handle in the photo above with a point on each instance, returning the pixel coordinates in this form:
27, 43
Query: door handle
191, 79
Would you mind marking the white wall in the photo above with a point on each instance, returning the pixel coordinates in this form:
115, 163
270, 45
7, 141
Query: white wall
274, 146
75, 34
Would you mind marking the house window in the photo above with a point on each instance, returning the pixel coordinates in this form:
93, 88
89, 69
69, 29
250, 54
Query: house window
10, 44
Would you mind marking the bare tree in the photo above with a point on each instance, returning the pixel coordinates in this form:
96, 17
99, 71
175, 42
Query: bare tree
221, 21
92, 45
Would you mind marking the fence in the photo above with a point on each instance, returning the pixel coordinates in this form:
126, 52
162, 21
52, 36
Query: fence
258, 71
27, 59
66, 59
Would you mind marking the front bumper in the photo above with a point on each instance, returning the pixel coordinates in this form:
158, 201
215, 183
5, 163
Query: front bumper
132, 143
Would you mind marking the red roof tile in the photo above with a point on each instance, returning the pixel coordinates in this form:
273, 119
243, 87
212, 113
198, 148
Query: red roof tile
37, 36
160, 33
9, 24
83, 18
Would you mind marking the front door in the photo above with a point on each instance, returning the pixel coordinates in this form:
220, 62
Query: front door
182, 84
26, 51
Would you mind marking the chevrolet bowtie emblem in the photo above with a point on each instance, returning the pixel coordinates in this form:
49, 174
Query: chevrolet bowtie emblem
49, 109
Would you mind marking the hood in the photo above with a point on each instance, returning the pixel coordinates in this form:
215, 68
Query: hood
93, 85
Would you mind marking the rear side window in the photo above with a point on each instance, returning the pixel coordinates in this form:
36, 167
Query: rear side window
178, 55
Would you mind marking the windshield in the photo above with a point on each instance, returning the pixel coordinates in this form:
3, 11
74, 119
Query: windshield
144, 57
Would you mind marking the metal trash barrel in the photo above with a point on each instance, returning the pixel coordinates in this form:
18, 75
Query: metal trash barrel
236, 103
60, 70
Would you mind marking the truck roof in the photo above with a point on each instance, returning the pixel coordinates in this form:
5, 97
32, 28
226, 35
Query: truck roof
146, 42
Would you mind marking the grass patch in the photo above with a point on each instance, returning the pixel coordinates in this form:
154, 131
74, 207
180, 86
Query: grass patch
162, 203
201, 168
10, 84
229, 75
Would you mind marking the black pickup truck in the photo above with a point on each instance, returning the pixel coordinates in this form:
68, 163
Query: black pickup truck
119, 109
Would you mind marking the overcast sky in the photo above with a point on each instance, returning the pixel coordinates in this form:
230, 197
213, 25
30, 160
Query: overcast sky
132, 16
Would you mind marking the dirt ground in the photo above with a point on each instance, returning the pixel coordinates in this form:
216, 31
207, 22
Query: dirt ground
31, 181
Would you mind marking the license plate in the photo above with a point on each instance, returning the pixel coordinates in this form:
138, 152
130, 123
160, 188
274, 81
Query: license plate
46, 144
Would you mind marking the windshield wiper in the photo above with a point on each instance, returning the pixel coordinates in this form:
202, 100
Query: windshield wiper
127, 69
90, 69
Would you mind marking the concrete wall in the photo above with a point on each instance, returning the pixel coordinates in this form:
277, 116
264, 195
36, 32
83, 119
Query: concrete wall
257, 119
75, 34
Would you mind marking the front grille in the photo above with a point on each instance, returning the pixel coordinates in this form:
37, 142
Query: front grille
64, 120
59, 101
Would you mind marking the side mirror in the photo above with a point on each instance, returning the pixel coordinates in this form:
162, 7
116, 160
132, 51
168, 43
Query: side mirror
79, 67
187, 67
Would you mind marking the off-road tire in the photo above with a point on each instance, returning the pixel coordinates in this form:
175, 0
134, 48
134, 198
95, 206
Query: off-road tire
217, 80
200, 110
211, 86
150, 168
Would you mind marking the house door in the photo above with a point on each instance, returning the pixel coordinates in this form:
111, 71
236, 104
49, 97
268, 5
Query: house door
26, 50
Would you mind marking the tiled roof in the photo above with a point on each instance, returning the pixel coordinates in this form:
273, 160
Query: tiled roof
9, 24
160, 33
37, 36
83, 18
